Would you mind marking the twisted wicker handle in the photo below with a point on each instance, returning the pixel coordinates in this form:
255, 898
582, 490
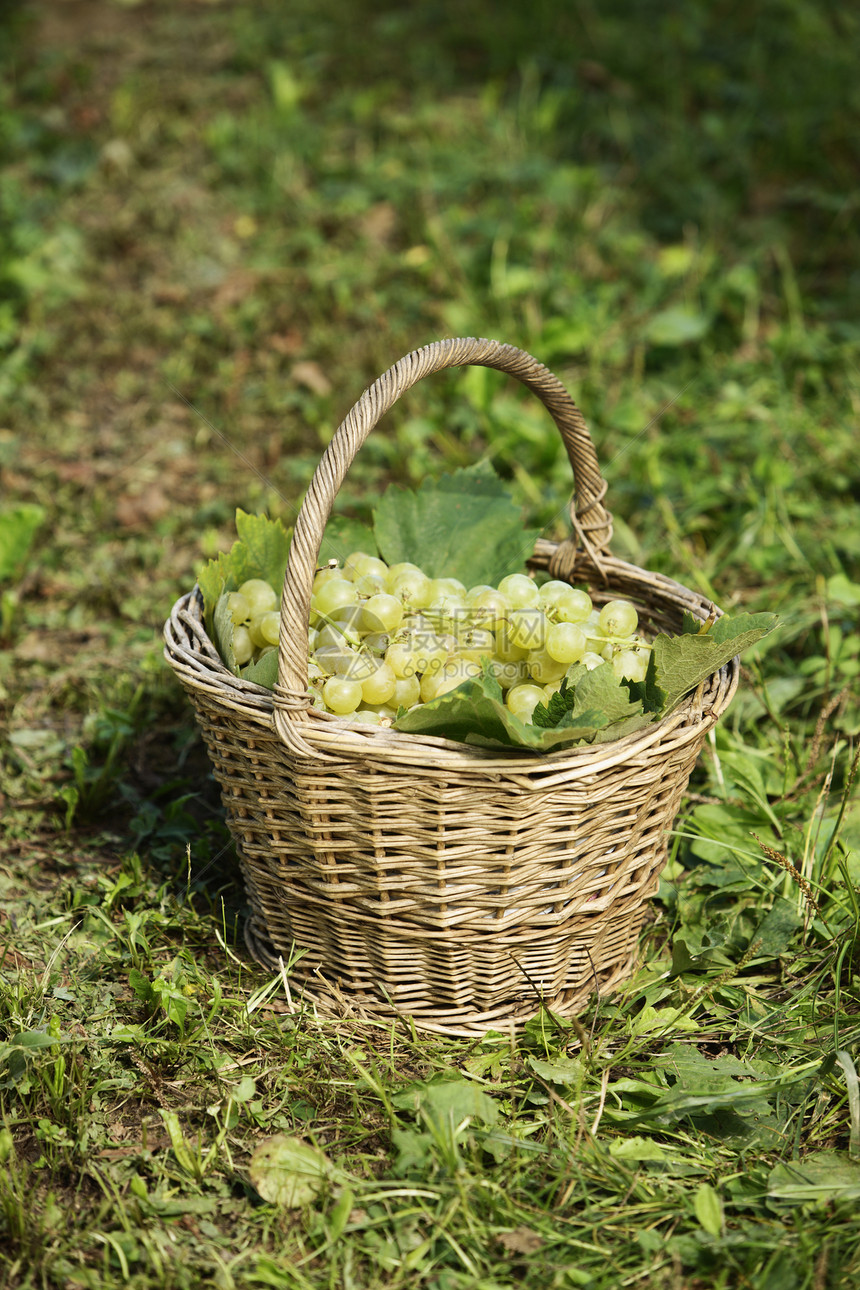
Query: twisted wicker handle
591, 521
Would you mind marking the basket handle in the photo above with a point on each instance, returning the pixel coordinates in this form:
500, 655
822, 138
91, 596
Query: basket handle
592, 522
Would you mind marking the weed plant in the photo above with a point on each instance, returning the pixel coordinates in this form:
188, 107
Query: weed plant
219, 222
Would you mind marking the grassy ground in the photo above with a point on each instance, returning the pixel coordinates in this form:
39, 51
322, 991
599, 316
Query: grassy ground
218, 223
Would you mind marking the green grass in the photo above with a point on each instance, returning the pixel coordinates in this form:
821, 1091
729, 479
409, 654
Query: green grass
218, 223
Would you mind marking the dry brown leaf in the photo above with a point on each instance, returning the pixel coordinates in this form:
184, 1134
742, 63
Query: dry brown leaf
236, 287
522, 1240
379, 222
140, 509
311, 375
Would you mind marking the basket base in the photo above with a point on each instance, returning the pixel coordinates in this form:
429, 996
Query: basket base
329, 1001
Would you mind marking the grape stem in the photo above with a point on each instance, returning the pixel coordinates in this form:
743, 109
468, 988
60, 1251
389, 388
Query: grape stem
624, 640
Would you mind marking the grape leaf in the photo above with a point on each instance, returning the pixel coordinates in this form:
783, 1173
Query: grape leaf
475, 713
601, 689
820, 1176
260, 551
18, 527
343, 536
584, 690
623, 726
596, 707
446, 1100
288, 1172
267, 546
742, 630
465, 525
264, 671
213, 580
678, 326
680, 663
549, 714
222, 632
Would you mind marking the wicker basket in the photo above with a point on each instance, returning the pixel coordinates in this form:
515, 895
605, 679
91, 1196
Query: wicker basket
418, 876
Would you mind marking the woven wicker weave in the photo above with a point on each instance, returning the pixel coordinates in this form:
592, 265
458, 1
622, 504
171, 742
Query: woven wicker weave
416, 875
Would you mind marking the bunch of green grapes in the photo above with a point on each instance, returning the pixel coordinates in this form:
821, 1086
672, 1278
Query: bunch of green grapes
256, 620
384, 637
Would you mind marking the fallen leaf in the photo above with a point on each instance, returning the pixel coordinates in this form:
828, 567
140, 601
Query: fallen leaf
310, 374
522, 1240
169, 293
140, 509
288, 1172
236, 287
379, 222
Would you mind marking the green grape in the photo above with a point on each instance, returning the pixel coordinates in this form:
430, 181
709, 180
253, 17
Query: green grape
379, 685
243, 646
509, 674
385, 711
630, 665
270, 627
572, 606
341, 695
334, 595
394, 571
448, 607
543, 668
477, 590
340, 660
520, 591
348, 618
407, 692
239, 607
364, 717
448, 642
522, 700
258, 640
412, 588
331, 635
369, 584
402, 657
431, 652
591, 660
507, 652
361, 564
326, 657
328, 574
381, 613
260, 596
444, 587
566, 642
377, 642
475, 643
358, 664
550, 591
618, 618
454, 673
429, 684
490, 609
527, 628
